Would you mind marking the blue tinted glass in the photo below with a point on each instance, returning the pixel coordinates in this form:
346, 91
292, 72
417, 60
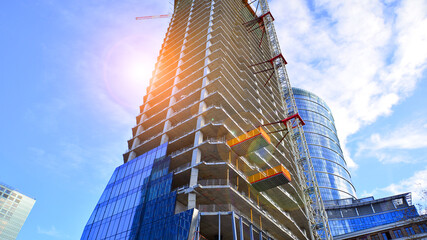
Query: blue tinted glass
138, 203
333, 177
347, 225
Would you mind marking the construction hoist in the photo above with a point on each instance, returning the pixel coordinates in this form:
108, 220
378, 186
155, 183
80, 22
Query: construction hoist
293, 123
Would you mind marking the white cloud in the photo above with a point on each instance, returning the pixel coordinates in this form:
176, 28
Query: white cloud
416, 184
361, 57
393, 146
411, 136
52, 232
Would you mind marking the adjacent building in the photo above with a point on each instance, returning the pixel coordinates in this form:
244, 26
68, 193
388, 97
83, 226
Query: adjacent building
181, 177
14, 210
413, 228
328, 160
392, 217
368, 216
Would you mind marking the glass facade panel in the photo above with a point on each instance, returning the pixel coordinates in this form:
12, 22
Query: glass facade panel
375, 237
423, 228
410, 231
398, 233
357, 223
14, 210
385, 237
138, 203
328, 160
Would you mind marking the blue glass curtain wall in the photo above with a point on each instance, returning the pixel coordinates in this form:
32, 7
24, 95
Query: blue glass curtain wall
138, 203
323, 144
347, 225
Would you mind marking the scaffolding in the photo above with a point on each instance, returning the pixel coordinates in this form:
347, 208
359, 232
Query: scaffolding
270, 178
249, 142
305, 172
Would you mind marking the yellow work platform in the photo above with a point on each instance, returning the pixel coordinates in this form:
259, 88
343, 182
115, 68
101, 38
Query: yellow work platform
270, 178
249, 142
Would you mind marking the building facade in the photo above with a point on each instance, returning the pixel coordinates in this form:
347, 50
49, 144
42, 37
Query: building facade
14, 210
351, 218
363, 216
331, 170
181, 179
413, 228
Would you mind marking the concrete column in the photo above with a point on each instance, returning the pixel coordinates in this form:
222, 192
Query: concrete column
149, 97
132, 155
206, 71
200, 123
165, 139
143, 117
198, 138
203, 94
136, 142
174, 90
196, 152
191, 201
147, 106
205, 82
169, 113
167, 126
139, 130
207, 60
202, 107
195, 158
180, 62
176, 80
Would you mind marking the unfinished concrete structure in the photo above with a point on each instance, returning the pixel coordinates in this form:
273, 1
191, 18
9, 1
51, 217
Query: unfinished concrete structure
203, 94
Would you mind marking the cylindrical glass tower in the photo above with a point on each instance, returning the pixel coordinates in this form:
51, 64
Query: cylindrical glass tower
328, 161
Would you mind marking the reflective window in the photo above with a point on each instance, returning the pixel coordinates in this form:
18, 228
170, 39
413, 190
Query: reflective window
324, 147
398, 233
138, 203
351, 224
410, 231
375, 237
386, 235
423, 228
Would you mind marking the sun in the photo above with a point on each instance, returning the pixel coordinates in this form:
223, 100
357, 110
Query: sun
128, 69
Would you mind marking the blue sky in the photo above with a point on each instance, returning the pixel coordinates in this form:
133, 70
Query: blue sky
73, 75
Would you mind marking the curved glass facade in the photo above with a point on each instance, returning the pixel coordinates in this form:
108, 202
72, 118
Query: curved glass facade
328, 161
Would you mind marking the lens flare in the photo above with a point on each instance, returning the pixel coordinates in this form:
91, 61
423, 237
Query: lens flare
127, 70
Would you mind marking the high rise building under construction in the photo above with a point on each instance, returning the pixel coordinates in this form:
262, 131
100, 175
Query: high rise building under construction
212, 153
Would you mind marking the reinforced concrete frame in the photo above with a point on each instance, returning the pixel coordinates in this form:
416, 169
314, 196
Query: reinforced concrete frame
227, 225
202, 94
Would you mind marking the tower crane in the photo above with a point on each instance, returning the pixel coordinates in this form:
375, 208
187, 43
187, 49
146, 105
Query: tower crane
154, 17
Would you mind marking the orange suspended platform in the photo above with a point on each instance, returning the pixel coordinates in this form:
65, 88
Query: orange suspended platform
270, 178
249, 142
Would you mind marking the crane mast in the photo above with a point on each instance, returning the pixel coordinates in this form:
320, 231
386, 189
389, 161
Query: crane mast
306, 174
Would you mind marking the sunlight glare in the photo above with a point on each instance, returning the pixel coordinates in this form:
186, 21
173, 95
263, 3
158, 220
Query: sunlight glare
127, 70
